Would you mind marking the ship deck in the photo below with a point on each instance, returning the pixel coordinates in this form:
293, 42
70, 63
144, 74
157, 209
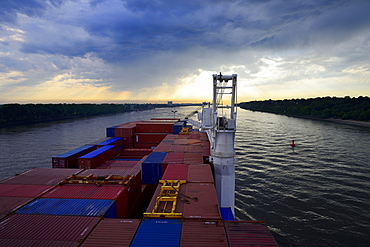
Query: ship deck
149, 183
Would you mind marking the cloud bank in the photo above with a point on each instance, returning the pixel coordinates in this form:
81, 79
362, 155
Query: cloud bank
122, 51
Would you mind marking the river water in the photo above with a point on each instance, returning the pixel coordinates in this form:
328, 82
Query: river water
315, 194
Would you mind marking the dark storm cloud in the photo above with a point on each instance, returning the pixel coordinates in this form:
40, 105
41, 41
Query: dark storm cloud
10, 8
134, 29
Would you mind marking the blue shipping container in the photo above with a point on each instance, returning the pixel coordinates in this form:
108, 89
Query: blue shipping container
110, 141
98, 151
110, 131
75, 151
155, 157
71, 207
156, 232
151, 168
227, 214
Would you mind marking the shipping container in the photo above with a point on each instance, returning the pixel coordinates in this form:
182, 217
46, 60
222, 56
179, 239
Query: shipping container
241, 233
103, 172
70, 158
177, 128
203, 233
149, 138
125, 131
41, 176
152, 169
200, 174
155, 127
10, 204
176, 172
51, 172
193, 158
111, 131
136, 151
227, 214
106, 192
116, 141
178, 148
112, 233
23, 190
153, 232
46, 227
166, 207
174, 157
193, 149
206, 207
123, 164
70, 207
96, 157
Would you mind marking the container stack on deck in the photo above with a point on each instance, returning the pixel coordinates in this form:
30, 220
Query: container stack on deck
108, 194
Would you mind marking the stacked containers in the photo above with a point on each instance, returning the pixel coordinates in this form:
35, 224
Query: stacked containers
127, 132
21, 189
150, 133
112, 233
203, 233
152, 167
242, 233
96, 157
154, 232
70, 158
70, 207
116, 141
45, 230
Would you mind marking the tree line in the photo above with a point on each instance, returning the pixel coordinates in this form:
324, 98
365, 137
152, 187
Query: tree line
324, 108
29, 113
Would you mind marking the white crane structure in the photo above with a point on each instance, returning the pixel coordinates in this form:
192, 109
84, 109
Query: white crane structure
219, 121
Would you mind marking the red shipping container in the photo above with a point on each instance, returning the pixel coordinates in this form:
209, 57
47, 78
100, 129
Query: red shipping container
103, 172
176, 172
207, 205
41, 176
107, 192
193, 149
97, 157
241, 233
71, 160
112, 232
46, 227
181, 142
193, 158
200, 174
174, 158
145, 145
178, 148
136, 151
166, 207
173, 120
200, 233
125, 164
21, 190
10, 204
128, 142
153, 138
162, 148
125, 131
154, 127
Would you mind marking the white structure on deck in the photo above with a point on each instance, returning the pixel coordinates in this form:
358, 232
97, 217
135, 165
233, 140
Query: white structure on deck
219, 121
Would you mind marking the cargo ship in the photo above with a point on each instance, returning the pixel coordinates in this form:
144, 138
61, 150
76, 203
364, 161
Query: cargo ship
157, 182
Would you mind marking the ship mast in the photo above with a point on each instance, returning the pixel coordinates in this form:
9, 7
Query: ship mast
220, 124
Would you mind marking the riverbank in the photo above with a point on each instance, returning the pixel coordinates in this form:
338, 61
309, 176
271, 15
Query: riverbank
350, 122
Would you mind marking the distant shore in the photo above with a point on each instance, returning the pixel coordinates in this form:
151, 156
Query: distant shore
351, 122
341, 121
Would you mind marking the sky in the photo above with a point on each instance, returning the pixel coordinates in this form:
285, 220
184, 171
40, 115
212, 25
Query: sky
124, 51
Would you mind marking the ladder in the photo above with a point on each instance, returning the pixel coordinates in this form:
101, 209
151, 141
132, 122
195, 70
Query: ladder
166, 201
